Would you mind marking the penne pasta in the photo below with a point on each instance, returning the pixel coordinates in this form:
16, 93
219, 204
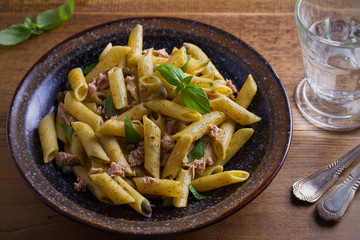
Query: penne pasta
173, 110
118, 88
78, 84
48, 138
218, 180
154, 186
152, 135
247, 92
234, 111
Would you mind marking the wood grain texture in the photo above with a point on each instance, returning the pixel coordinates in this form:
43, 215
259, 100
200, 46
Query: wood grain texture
269, 27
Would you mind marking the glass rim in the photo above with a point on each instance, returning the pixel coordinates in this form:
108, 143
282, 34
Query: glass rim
301, 26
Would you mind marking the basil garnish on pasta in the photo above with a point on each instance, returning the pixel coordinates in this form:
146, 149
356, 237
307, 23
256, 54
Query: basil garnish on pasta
68, 130
197, 151
197, 195
193, 96
131, 134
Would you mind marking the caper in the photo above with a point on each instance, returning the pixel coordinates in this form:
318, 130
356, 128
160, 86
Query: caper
126, 71
162, 93
60, 96
68, 85
146, 207
130, 147
67, 170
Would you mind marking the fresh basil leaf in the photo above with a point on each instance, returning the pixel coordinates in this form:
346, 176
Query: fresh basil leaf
171, 74
197, 152
131, 134
14, 34
87, 69
183, 68
109, 106
197, 195
186, 80
68, 130
29, 21
195, 98
54, 17
178, 89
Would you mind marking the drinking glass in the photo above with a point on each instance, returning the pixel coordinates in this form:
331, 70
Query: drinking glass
329, 33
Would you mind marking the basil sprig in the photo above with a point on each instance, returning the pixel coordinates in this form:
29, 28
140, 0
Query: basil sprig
47, 20
131, 134
109, 106
87, 69
193, 96
197, 195
68, 130
197, 152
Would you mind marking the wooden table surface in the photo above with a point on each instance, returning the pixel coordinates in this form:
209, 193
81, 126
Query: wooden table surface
269, 27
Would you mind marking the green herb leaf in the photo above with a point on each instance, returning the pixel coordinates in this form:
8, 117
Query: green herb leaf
197, 195
153, 148
54, 17
109, 106
178, 89
186, 64
186, 80
31, 24
68, 130
195, 98
87, 69
14, 34
47, 20
197, 152
131, 134
171, 74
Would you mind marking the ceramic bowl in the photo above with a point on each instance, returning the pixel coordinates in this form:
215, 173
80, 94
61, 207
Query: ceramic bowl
262, 156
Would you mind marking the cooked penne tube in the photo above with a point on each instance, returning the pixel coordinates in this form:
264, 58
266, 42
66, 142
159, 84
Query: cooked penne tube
198, 54
112, 189
221, 144
114, 152
82, 173
116, 128
238, 139
115, 54
77, 149
212, 170
78, 84
91, 105
81, 112
184, 177
178, 59
173, 110
234, 111
219, 180
118, 88
141, 204
135, 42
90, 142
152, 144
196, 66
154, 186
199, 128
105, 51
151, 82
145, 65
178, 154
247, 92
135, 113
48, 138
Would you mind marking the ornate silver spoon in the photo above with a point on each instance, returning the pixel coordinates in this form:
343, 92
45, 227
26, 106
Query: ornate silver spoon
313, 187
333, 206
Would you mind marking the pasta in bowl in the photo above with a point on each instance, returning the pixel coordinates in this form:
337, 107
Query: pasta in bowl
104, 138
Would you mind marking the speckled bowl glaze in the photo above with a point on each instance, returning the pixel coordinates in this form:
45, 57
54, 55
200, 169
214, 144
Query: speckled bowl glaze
262, 156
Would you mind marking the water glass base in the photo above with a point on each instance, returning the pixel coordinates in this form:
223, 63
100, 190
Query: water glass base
329, 115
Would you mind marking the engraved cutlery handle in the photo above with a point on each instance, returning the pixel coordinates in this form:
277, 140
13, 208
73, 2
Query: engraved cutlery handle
333, 206
314, 186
